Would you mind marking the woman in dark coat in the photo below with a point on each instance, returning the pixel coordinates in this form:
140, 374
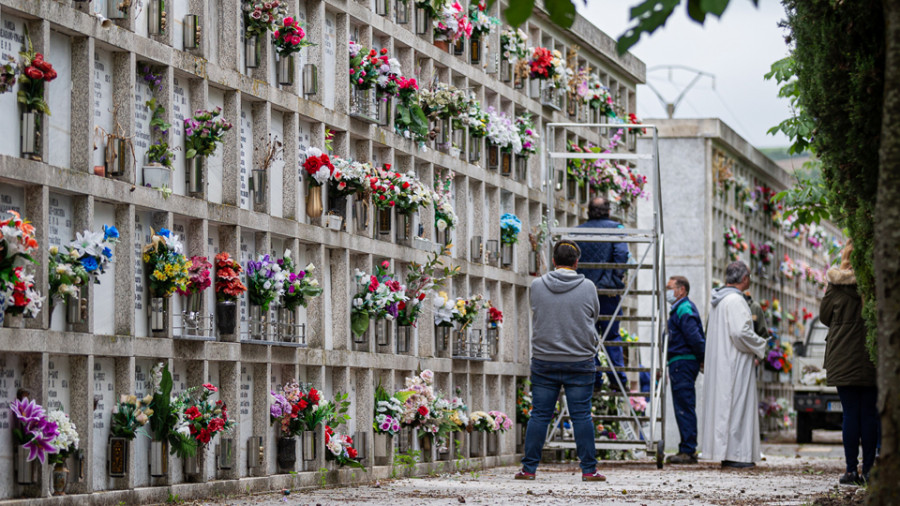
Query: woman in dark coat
849, 367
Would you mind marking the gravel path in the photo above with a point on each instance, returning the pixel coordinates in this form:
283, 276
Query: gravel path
780, 480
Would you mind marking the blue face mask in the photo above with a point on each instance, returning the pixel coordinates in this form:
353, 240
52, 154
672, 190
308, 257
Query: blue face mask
670, 296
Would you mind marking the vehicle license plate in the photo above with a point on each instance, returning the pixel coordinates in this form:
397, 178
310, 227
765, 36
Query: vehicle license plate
835, 406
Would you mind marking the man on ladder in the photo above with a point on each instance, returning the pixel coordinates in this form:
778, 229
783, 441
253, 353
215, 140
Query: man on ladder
606, 279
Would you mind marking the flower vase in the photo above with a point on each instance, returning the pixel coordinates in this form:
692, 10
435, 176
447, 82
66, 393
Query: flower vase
159, 458
117, 457
533, 263
475, 50
191, 316
309, 445
287, 326
13, 321
195, 174
534, 88
192, 464
401, 11
383, 445
75, 306
361, 205
476, 444
159, 311
59, 479
30, 135
258, 186
156, 17
284, 70
314, 201
383, 224
474, 149
493, 443
24, 468
258, 322
404, 229
422, 22
116, 156
404, 338
157, 176
506, 164
506, 254
459, 47
192, 32
506, 71
287, 453
252, 51
226, 316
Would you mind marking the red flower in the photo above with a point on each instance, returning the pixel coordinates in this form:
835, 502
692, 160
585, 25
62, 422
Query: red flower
312, 165
303, 404
216, 424
401, 305
391, 203
314, 396
405, 185
34, 73
210, 387
423, 410
422, 296
295, 408
42, 65
351, 452
203, 437
192, 412
50, 75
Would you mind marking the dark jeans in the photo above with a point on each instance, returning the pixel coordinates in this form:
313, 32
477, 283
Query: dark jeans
616, 353
860, 424
683, 376
546, 380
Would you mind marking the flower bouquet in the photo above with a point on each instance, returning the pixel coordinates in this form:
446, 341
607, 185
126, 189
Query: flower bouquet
495, 317
228, 279
85, 258
167, 420
403, 191
514, 44
203, 418
629, 186
17, 292
379, 297
198, 276
66, 440
129, 415
474, 118
8, 72
482, 422
444, 101
203, 132
523, 402
36, 73
510, 226
34, 431
318, 166
166, 265
265, 281
466, 311
734, 243
443, 307
502, 423
481, 22
444, 215
528, 135
776, 358
450, 23
260, 17
503, 132
388, 410
340, 449
289, 37
410, 119
349, 177
421, 279
364, 64
633, 120
417, 398
298, 286
294, 409
597, 96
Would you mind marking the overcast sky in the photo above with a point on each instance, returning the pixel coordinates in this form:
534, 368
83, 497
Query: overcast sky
738, 50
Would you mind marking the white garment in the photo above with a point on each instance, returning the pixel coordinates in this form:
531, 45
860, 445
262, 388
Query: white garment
730, 405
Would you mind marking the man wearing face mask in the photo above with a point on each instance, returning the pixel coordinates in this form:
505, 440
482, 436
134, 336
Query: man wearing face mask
685, 361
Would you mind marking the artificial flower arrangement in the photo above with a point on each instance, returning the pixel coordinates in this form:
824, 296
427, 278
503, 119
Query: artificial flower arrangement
167, 267
787, 267
204, 418
443, 101
503, 132
443, 307
629, 186
198, 276
265, 282
528, 135
523, 402
167, 420
228, 278
388, 75
395, 190
418, 398
388, 410
480, 421
734, 243
638, 404
466, 311
450, 23
260, 17
633, 120
514, 44
84, 259
203, 132
8, 72
597, 96
510, 226
36, 73
777, 358
18, 294
296, 409
340, 449
495, 317
474, 118
45, 435
379, 297
813, 376
349, 176
541, 64
318, 166
289, 37
765, 253
776, 409
299, 286
773, 314
502, 423
129, 415
481, 22
581, 169
421, 279
410, 120
364, 65
444, 215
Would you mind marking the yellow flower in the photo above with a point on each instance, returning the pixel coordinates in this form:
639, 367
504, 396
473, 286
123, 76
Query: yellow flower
159, 275
146, 258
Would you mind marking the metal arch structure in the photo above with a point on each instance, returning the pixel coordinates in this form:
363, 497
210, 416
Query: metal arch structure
652, 258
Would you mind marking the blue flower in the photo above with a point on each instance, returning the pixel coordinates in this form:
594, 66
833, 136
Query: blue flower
164, 232
89, 263
107, 252
110, 233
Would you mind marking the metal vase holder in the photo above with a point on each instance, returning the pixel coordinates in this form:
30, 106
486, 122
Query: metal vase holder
572, 106
404, 338
258, 323
382, 7
477, 251
76, 306
493, 443
631, 140
383, 107
506, 71
115, 156
113, 11
583, 192
534, 88
308, 443
493, 156
258, 185
401, 8
362, 105
441, 337
404, 440
284, 70
252, 51
474, 149
533, 263
383, 330
521, 167
117, 457
361, 206
475, 50
225, 454
493, 251
192, 464
506, 168
476, 444
287, 453
404, 229
191, 315
192, 31
287, 329
25, 469
157, 23
422, 21
459, 142
383, 444
461, 344
443, 140
571, 187
159, 459
256, 452
226, 317
383, 223
506, 255
360, 443
30, 135
310, 80
441, 237
550, 97
195, 174
493, 341
159, 312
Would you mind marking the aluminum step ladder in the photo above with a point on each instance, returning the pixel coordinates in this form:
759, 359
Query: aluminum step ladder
650, 256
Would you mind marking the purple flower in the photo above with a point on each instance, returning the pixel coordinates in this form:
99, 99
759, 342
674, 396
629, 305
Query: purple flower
392, 310
27, 411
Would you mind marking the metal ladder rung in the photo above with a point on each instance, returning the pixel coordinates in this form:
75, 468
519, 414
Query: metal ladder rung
624, 369
603, 265
633, 238
625, 318
620, 418
612, 293
579, 231
616, 393
627, 344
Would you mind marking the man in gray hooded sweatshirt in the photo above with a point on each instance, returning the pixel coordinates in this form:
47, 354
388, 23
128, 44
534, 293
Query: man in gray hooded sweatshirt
564, 342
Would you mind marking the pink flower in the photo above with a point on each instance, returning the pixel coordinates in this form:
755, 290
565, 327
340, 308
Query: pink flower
288, 21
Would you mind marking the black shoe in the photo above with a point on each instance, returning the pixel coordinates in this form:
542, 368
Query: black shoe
737, 465
682, 458
850, 478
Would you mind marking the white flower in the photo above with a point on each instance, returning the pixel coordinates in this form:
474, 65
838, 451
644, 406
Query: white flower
314, 282
310, 267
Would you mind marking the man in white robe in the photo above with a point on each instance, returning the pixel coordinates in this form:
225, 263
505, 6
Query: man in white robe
730, 419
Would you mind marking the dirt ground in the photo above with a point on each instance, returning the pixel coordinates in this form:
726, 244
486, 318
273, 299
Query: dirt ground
780, 480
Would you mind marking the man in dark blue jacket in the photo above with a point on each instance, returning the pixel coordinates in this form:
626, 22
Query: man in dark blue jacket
608, 279
687, 345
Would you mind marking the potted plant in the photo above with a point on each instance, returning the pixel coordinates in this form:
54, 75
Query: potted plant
203, 133
288, 38
167, 270
370, 303
265, 286
128, 416
18, 296
198, 281
510, 225
291, 410
158, 171
82, 262
259, 18
319, 170
35, 75
228, 289
299, 287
